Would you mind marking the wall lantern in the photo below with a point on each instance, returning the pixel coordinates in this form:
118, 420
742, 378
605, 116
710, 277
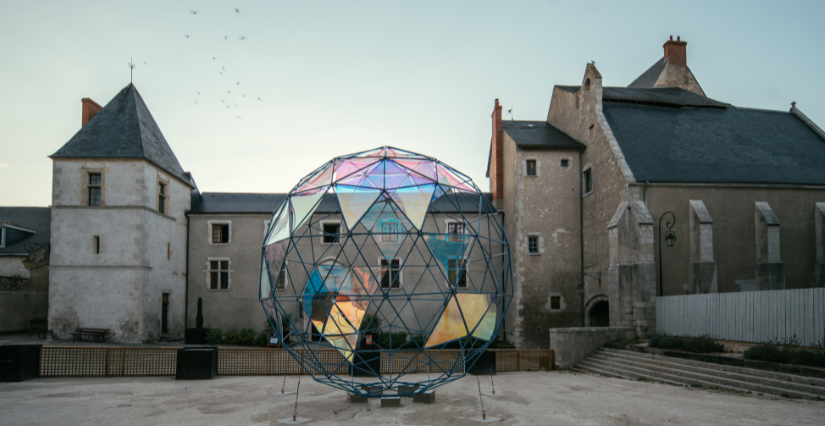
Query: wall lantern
670, 238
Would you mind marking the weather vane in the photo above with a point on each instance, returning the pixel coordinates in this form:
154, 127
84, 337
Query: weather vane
131, 68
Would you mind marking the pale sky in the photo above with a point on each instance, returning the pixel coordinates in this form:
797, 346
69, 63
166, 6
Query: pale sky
336, 77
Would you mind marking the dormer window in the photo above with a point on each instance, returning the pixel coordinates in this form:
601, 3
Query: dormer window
94, 189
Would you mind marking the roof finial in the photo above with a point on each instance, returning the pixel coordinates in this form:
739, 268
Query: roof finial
793, 104
131, 67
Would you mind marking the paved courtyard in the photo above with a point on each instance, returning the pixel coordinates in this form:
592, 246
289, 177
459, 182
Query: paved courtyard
541, 398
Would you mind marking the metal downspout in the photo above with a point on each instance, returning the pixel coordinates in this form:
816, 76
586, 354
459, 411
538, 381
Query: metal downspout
581, 233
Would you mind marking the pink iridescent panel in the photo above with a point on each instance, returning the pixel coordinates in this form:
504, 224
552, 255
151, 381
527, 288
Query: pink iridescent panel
447, 177
344, 168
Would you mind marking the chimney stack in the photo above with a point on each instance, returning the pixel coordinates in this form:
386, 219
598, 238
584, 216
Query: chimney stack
497, 155
676, 51
90, 108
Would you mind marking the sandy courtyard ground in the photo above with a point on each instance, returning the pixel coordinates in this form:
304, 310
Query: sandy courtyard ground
541, 398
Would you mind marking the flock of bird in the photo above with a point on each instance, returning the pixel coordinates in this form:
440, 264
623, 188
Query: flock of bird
230, 104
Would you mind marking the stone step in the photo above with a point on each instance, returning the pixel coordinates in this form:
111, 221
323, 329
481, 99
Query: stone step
785, 377
740, 381
658, 377
683, 375
606, 370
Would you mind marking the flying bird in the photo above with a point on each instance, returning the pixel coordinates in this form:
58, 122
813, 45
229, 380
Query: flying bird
242, 95
237, 11
194, 12
198, 92
228, 92
187, 35
213, 58
226, 38
144, 63
220, 73
235, 105
238, 83
239, 117
243, 37
258, 98
196, 101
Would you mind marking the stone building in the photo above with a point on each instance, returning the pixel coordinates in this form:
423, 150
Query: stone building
118, 226
24, 266
585, 192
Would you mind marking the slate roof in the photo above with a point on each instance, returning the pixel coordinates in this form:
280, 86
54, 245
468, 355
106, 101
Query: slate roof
539, 135
124, 128
669, 96
571, 89
38, 219
716, 145
649, 77
210, 203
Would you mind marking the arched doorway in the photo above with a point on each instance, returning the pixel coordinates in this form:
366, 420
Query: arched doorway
599, 315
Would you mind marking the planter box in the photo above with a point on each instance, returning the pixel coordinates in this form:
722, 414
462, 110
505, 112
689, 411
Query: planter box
485, 365
197, 363
19, 362
195, 336
366, 363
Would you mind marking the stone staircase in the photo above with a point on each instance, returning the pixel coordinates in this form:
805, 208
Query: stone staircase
682, 372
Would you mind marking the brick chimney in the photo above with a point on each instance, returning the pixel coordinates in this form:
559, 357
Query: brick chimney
497, 155
676, 51
90, 108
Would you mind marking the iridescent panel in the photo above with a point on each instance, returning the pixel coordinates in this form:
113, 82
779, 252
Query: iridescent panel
414, 202
303, 206
447, 177
279, 227
344, 168
266, 289
354, 202
446, 247
464, 312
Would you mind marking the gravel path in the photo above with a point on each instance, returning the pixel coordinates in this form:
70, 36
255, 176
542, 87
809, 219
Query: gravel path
541, 398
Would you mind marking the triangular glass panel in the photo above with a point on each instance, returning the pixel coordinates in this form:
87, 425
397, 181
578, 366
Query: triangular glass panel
375, 176
446, 176
322, 178
313, 287
354, 202
371, 216
279, 228
303, 205
414, 202
394, 175
464, 311
450, 251
266, 289
487, 325
389, 234
347, 167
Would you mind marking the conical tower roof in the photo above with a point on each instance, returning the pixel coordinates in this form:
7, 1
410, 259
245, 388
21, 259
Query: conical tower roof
124, 128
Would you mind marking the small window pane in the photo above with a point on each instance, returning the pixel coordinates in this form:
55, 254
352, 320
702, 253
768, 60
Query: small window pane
224, 280
564, 163
213, 280
94, 196
94, 178
331, 232
220, 233
225, 265
531, 167
555, 302
533, 245
588, 181
389, 273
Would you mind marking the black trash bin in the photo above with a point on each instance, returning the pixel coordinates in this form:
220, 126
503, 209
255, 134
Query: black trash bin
366, 363
485, 365
199, 363
195, 336
19, 362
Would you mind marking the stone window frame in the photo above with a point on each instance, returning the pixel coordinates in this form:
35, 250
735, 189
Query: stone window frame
208, 272
539, 243
466, 286
587, 170
538, 167
322, 234
400, 273
549, 304
167, 202
569, 162
86, 173
209, 224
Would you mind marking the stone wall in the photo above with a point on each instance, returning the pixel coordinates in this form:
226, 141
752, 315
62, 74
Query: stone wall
142, 252
573, 345
24, 293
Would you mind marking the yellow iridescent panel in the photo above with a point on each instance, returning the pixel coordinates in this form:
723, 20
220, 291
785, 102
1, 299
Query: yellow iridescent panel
477, 310
340, 328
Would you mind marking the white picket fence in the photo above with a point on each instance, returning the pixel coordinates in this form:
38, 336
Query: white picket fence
754, 316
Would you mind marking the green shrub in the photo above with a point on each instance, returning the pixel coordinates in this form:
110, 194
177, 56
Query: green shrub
231, 336
702, 345
670, 342
767, 352
654, 341
787, 352
260, 339
246, 335
214, 336
416, 342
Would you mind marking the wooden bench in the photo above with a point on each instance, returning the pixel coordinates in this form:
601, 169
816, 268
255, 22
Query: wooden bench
98, 334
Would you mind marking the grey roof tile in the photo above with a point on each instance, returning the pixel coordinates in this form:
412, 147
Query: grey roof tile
717, 145
38, 219
668, 96
649, 77
539, 135
124, 128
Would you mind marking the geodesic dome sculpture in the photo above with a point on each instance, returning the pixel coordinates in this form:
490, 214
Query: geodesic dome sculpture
383, 264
